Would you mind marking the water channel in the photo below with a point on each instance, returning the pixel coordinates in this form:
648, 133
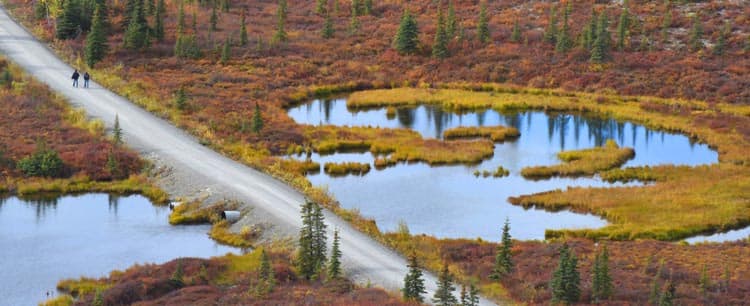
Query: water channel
45, 240
449, 201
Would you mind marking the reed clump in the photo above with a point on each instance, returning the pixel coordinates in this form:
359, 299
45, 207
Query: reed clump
494, 133
346, 168
583, 162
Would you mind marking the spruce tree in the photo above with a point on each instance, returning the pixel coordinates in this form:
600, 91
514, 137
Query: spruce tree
225, 6
150, 7
451, 25
666, 23
130, 7
177, 275
407, 37
266, 278
413, 282
181, 18
623, 26
696, 35
320, 7
566, 279
440, 46
96, 40
214, 18
667, 297
472, 299
515, 36
243, 30
601, 287
319, 237
367, 7
305, 256
356, 8
704, 283
180, 100
444, 293
257, 120
68, 23
550, 33
117, 132
334, 264
564, 43
136, 34
353, 24
328, 30
721, 41
226, 52
483, 30
161, 10
503, 258
280, 35
601, 45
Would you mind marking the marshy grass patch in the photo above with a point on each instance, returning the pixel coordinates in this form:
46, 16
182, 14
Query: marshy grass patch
346, 168
583, 162
494, 133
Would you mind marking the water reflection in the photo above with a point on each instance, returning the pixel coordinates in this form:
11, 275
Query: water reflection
449, 201
47, 239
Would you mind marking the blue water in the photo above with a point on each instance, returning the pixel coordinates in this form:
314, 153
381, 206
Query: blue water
44, 241
449, 201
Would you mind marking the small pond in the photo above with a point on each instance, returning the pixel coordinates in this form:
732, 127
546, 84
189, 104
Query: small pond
44, 241
449, 201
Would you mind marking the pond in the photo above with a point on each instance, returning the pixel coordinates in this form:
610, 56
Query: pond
46, 240
449, 201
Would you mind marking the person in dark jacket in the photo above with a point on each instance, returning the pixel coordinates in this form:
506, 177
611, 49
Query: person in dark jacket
86, 78
75, 78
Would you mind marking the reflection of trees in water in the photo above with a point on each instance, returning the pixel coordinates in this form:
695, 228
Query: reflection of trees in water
598, 130
405, 117
327, 105
113, 202
41, 204
481, 116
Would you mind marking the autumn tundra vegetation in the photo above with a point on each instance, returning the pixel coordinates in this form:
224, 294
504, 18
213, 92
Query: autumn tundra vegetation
227, 70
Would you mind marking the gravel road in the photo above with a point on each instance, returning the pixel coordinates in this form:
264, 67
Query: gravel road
364, 259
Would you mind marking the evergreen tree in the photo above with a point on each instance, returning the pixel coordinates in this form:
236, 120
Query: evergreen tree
328, 30
655, 295
266, 278
7, 79
696, 35
334, 264
483, 30
136, 35
440, 46
117, 132
356, 8
320, 7
503, 258
367, 7
564, 43
444, 293
623, 26
721, 41
130, 8
150, 7
515, 36
243, 30
214, 18
226, 52
177, 276
257, 120
601, 287
472, 299
407, 37
98, 298
112, 164
550, 33
666, 22
161, 10
43, 162
96, 40
600, 48
704, 282
225, 6
319, 237
667, 297
181, 18
68, 23
353, 23
413, 282
589, 32
305, 256
451, 25
280, 35
566, 279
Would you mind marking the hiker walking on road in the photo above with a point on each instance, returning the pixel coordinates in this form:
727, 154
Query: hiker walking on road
86, 78
75, 78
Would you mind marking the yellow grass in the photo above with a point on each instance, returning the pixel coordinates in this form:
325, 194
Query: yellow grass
136, 184
494, 133
583, 162
346, 168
